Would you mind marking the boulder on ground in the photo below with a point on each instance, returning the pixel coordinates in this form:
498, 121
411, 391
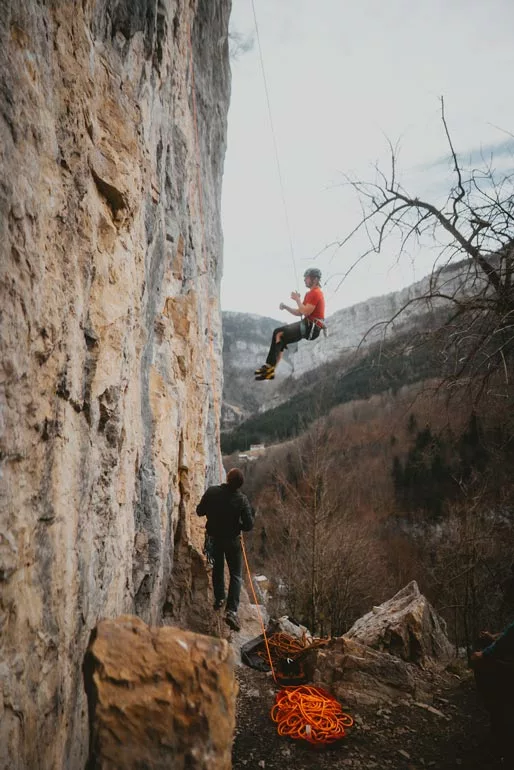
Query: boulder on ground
406, 626
287, 625
356, 674
158, 698
390, 654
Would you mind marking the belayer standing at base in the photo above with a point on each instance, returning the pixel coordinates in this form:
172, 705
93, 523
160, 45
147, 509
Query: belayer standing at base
228, 513
494, 677
313, 311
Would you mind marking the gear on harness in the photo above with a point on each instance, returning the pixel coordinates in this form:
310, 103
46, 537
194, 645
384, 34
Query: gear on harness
309, 326
208, 549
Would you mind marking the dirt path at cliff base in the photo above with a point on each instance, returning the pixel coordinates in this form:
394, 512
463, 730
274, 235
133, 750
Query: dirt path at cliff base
400, 737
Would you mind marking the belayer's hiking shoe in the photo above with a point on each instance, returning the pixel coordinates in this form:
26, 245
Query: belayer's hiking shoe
232, 621
219, 603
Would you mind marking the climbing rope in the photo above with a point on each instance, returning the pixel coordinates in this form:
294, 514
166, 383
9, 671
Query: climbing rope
250, 581
300, 712
311, 714
275, 145
287, 646
286, 651
303, 711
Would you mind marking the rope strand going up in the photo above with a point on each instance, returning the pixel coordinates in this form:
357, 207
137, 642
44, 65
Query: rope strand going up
250, 581
275, 145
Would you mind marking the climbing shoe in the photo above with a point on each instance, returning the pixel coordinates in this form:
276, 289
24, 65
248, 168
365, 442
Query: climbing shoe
262, 369
219, 603
267, 373
232, 621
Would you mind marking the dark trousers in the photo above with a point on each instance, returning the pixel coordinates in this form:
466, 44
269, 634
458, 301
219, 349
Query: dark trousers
291, 333
495, 684
231, 551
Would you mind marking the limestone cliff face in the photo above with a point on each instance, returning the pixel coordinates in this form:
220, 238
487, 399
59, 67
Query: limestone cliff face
110, 336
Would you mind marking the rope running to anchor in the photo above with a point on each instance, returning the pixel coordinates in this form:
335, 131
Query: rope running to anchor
275, 145
300, 712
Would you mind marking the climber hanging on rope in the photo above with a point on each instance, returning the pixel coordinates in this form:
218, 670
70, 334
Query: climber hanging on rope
309, 328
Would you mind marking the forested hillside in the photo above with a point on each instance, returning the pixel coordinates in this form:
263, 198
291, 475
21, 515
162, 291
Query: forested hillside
408, 485
406, 359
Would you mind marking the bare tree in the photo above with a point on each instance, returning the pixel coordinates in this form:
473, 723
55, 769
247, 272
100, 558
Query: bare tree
463, 563
324, 558
474, 229
307, 504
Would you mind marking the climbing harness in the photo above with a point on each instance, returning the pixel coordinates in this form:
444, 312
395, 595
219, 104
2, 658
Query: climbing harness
322, 325
309, 326
304, 712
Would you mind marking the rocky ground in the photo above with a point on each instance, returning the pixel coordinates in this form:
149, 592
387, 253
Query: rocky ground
450, 732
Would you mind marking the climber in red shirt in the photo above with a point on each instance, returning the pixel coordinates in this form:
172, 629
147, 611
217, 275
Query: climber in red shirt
313, 311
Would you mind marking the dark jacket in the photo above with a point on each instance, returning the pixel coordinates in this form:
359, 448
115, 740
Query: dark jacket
228, 512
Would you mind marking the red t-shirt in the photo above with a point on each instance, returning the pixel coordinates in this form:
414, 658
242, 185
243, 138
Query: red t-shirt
315, 297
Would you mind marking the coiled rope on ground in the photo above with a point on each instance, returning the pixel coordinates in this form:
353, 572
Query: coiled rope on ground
302, 712
284, 645
286, 652
309, 713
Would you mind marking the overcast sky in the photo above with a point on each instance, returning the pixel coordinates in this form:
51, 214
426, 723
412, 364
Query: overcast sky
343, 76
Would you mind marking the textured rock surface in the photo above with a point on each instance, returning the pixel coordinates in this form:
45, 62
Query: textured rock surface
357, 674
110, 379
390, 654
158, 698
405, 626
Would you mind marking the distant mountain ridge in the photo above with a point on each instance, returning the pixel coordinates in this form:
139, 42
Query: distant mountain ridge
246, 339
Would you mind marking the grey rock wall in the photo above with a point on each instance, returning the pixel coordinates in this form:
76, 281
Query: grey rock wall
372, 320
110, 336
247, 337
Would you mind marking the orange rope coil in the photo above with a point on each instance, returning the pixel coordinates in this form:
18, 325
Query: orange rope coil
283, 645
311, 714
303, 711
